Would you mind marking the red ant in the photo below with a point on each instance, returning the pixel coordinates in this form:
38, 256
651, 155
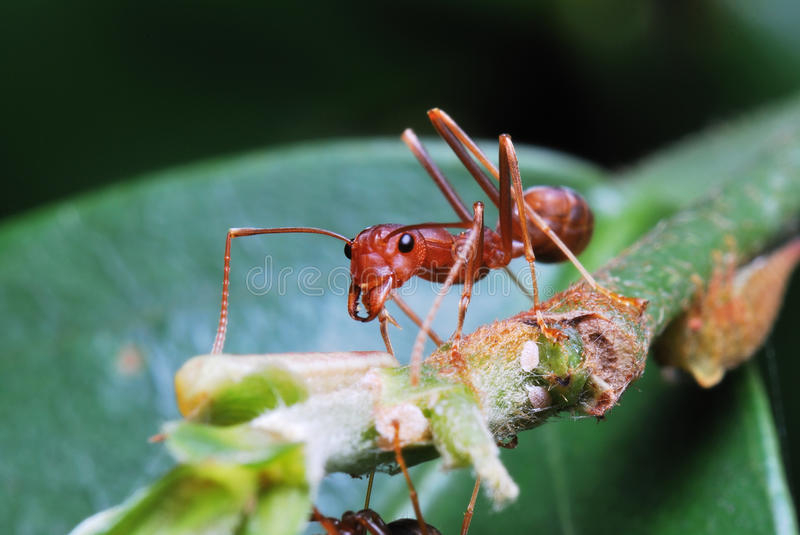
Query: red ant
383, 257
368, 522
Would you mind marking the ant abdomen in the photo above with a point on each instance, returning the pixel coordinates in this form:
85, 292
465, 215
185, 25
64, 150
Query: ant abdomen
566, 212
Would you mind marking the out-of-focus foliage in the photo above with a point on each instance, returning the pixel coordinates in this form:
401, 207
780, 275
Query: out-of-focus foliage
101, 91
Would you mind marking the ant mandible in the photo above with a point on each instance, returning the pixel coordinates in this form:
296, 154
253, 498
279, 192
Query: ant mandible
558, 223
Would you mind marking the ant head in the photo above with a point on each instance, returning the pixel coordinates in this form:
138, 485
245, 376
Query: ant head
382, 258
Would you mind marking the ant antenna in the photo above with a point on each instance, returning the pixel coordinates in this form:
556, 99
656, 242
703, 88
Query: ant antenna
219, 340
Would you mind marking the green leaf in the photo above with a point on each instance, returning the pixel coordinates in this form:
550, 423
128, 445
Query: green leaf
191, 443
213, 497
190, 499
277, 511
211, 390
105, 296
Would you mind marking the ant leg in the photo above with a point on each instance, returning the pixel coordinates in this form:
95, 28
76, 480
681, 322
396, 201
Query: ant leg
444, 123
474, 169
509, 167
324, 521
371, 522
398, 455
413, 316
468, 245
474, 257
505, 222
219, 340
471, 507
413, 143
507, 149
384, 317
369, 489
516, 281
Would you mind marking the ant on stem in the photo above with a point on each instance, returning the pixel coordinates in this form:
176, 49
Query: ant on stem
558, 223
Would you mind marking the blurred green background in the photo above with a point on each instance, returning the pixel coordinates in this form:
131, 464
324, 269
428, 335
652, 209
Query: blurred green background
94, 93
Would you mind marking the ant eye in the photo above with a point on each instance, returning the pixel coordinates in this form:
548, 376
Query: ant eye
348, 250
406, 243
